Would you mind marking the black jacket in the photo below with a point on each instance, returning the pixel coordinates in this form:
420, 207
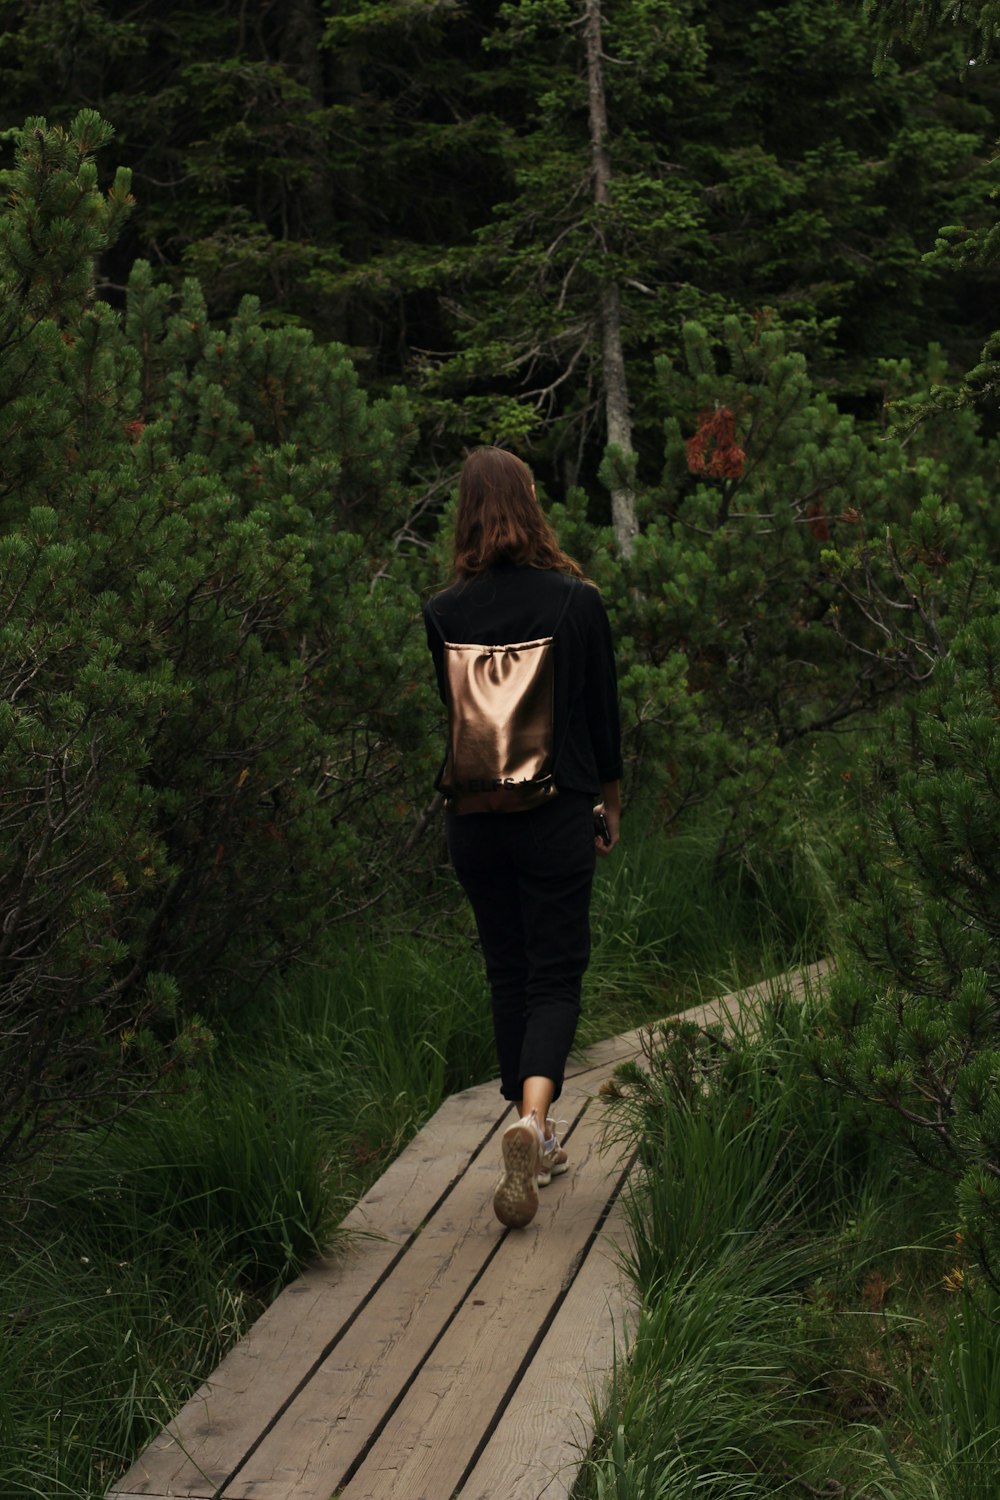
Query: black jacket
509, 604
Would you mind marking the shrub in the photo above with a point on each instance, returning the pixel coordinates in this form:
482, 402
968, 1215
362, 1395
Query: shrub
915, 1017
203, 651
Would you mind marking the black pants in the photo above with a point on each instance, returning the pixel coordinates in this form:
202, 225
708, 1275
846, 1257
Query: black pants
528, 876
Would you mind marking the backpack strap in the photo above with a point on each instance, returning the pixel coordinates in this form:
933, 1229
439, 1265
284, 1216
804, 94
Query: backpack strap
432, 615
565, 606
562, 612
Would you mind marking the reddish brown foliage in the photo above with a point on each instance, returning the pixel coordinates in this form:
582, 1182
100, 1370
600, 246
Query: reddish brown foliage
818, 524
713, 450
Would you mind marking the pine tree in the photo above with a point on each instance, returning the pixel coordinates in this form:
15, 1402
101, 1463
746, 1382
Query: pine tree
205, 642
281, 151
752, 163
791, 575
912, 1025
917, 21
415, 180
913, 1019
969, 247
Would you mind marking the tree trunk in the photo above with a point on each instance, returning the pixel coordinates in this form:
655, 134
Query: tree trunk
301, 52
616, 403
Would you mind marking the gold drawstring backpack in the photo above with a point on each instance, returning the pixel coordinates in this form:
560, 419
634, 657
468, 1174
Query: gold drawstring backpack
501, 738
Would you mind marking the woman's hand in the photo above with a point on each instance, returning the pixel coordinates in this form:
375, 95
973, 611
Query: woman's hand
611, 806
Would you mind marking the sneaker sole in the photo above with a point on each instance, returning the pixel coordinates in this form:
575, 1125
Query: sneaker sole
515, 1201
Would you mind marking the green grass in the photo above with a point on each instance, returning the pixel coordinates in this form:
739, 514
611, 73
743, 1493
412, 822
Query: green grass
104, 1335
142, 1253
670, 927
797, 1335
377, 1039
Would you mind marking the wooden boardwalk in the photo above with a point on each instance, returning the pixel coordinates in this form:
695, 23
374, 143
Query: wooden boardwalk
440, 1356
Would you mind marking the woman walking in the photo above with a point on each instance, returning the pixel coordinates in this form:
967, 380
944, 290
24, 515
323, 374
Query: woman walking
527, 872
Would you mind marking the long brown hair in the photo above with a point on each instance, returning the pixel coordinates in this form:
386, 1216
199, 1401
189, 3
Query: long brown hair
499, 519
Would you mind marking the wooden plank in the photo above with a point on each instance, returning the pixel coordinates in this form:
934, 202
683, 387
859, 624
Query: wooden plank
536, 1447
432, 1436
351, 1389
208, 1440
616, 1049
327, 1428
728, 1008
214, 1432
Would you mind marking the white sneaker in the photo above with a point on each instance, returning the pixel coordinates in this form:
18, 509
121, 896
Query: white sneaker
515, 1201
553, 1159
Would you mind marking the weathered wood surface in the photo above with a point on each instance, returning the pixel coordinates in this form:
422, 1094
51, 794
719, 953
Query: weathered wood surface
545, 1430
441, 1355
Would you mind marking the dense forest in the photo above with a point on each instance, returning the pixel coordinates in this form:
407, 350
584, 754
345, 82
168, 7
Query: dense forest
723, 275
416, 181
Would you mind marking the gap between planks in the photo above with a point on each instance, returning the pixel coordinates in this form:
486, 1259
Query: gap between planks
402, 1407
359, 1373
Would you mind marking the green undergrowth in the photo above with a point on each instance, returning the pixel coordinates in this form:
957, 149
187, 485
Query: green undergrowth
144, 1252
673, 925
808, 1325
140, 1253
